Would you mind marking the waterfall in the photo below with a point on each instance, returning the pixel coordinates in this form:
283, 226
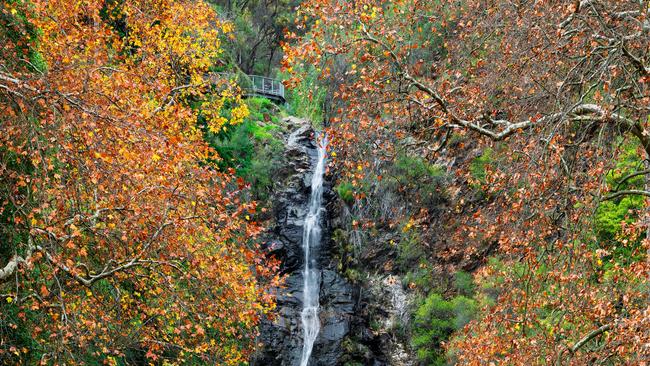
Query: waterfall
311, 236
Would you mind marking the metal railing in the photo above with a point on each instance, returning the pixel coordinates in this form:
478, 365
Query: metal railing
256, 85
266, 86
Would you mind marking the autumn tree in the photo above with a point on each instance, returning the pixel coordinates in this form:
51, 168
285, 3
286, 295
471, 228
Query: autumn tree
121, 242
560, 91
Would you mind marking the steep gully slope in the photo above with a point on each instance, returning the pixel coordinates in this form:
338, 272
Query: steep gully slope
283, 338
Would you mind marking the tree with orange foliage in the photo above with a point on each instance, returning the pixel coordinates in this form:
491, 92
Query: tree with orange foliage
565, 86
121, 242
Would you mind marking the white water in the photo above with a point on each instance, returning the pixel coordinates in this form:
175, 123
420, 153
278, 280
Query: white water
311, 236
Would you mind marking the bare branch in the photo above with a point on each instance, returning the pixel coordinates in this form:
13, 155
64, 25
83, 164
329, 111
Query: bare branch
580, 112
627, 192
13, 263
630, 176
572, 350
589, 337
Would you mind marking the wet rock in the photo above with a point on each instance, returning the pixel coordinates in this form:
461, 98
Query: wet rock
290, 258
386, 305
282, 338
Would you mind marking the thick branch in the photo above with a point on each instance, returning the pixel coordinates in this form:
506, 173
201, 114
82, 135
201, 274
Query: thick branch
11, 266
89, 279
586, 112
13, 263
589, 337
626, 192
107, 271
593, 334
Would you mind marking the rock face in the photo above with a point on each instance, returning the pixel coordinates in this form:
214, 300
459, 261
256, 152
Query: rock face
282, 338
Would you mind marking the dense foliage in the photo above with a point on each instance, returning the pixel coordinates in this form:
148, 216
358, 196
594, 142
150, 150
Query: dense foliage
540, 112
259, 30
492, 155
121, 240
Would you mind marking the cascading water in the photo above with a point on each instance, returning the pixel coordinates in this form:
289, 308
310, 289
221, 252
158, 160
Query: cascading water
311, 236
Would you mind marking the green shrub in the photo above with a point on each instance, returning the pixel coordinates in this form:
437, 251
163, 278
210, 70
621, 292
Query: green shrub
20, 39
345, 191
625, 209
352, 275
250, 148
464, 283
422, 278
434, 322
410, 250
261, 105
416, 180
479, 165
611, 214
